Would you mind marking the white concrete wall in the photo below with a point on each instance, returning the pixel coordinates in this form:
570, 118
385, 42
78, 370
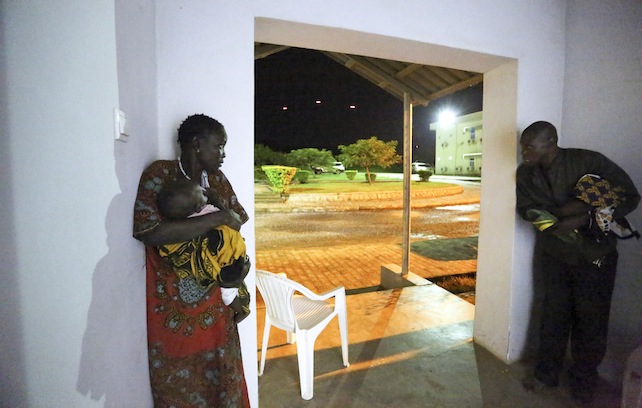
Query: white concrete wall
75, 334
75, 303
603, 112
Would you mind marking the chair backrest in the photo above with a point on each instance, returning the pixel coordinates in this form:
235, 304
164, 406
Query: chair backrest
277, 292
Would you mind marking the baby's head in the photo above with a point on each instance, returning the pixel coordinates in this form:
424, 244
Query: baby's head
180, 199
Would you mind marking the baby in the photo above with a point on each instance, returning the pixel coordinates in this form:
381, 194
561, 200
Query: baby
596, 196
218, 257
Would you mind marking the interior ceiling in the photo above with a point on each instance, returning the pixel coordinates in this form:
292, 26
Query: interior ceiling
423, 83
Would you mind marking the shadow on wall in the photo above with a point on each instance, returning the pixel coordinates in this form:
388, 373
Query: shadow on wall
625, 334
113, 362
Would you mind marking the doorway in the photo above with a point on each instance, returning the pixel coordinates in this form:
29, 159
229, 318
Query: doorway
497, 221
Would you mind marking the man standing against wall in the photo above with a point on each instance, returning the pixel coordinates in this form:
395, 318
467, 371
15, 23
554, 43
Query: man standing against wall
573, 197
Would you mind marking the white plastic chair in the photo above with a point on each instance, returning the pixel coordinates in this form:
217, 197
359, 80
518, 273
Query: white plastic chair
303, 317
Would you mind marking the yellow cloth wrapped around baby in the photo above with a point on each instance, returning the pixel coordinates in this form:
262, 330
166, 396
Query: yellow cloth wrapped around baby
203, 257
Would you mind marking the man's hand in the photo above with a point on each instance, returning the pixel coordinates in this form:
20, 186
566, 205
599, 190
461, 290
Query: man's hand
571, 208
567, 225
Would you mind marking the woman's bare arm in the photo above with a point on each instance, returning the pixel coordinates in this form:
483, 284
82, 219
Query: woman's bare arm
173, 231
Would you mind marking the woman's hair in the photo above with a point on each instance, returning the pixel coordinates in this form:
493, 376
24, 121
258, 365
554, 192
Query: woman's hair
197, 126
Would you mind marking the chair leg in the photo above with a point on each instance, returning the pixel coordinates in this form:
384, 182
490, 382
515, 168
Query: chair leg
305, 355
264, 347
340, 304
343, 331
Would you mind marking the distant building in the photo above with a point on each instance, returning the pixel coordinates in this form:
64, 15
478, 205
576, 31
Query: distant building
458, 146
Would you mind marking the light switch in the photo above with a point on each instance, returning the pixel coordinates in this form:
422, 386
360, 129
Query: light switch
120, 121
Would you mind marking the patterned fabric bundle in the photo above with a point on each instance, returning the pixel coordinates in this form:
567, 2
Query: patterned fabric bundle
599, 194
215, 258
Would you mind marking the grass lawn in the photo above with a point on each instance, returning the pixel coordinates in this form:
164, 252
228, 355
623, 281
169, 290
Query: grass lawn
339, 183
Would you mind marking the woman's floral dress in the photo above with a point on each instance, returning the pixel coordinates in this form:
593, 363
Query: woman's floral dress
194, 348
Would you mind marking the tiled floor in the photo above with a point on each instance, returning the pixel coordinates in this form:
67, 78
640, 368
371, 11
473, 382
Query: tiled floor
360, 265
409, 347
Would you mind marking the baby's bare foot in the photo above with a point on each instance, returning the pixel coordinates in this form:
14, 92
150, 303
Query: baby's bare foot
240, 316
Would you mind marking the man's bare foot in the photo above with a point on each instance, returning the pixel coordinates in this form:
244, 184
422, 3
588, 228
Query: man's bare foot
538, 382
531, 384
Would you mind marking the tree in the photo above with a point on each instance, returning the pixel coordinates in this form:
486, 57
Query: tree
309, 158
264, 155
370, 152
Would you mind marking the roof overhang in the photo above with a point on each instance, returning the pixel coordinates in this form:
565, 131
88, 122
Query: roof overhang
423, 83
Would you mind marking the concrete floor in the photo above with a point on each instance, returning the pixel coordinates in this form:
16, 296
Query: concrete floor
409, 347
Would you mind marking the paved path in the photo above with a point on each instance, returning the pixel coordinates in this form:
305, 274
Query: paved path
354, 266
357, 266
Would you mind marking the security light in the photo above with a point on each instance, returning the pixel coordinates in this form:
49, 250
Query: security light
447, 117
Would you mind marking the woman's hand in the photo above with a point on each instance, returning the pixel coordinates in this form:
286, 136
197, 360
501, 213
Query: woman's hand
233, 220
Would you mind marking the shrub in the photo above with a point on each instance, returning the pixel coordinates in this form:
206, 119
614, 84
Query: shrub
279, 177
302, 176
259, 175
424, 175
373, 177
351, 174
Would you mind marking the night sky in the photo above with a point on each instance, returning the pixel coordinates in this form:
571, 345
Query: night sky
297, 78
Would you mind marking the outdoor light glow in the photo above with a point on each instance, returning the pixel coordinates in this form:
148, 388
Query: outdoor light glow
317, 102
353, 107
285, 108
447, 117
